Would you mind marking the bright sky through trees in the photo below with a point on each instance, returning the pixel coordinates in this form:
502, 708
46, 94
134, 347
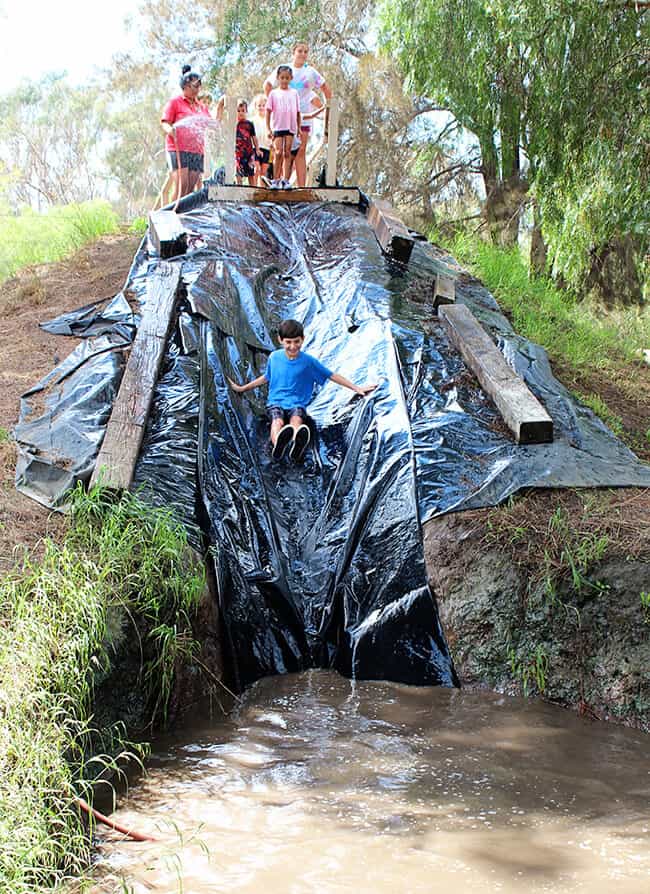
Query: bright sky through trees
70, 35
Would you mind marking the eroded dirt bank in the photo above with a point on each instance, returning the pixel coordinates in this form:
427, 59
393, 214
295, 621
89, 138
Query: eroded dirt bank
548, 595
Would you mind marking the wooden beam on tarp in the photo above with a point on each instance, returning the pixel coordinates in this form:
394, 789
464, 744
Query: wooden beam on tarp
444, 291
167, 233
521, 411
125, 430
349, 196
392, 234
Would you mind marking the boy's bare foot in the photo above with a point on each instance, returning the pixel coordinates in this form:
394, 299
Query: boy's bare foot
284, 438
301, 439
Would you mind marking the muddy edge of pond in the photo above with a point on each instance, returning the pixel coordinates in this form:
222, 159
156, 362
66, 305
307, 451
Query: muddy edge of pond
510, 628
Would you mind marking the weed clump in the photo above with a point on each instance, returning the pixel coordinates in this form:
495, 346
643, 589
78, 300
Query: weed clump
54, 640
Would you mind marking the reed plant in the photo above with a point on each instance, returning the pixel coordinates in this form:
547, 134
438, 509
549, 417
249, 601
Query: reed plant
55, 640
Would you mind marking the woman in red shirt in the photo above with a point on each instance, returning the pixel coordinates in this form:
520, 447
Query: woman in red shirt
181, 121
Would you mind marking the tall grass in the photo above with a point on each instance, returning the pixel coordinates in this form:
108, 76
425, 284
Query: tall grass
55, 637
32, 238
577, 332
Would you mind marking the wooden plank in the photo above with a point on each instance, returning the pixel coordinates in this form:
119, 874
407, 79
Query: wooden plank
350, 196
119, 454
159, 301
167, 233
229, 131
521, 411
332, 128
123, 438
392, 234
444, 291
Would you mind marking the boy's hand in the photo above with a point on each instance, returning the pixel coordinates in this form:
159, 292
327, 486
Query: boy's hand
365, 389
235, 386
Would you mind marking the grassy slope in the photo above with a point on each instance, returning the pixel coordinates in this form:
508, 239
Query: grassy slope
596, 354
31, 238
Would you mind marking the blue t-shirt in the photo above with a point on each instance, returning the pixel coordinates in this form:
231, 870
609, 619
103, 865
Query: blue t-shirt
291, 382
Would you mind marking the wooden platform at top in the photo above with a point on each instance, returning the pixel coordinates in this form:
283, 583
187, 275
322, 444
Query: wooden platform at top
350, 196
125, 430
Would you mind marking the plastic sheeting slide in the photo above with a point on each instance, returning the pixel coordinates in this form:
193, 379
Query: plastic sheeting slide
322, 564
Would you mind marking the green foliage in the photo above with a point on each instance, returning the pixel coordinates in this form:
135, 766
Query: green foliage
5, 437
144, 559
54, 630
578, 553
466, 56
32, 238
138, 226
50, 143
532, 669
564, 83
572, 331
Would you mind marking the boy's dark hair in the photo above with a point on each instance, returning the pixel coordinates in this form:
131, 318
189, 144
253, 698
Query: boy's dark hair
283, 68
290, 329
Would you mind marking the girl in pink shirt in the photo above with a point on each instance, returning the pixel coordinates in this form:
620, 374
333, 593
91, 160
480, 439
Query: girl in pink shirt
283, 122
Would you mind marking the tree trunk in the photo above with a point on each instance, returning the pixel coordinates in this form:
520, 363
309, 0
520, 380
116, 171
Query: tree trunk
613, 277
502, 210
538, 258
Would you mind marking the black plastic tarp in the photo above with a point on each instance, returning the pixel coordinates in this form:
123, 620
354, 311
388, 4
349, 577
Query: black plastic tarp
322, 564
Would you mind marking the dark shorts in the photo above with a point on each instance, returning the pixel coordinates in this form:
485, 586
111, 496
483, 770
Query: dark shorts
285, 415
245, 165
305, 128
283, 133
191, 160
263, 156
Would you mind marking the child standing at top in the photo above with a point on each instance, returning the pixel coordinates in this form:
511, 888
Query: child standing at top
246, 146
292, 374
319, 109
259, 120
282, 123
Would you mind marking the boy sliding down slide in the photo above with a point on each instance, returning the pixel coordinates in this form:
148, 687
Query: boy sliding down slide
292, 374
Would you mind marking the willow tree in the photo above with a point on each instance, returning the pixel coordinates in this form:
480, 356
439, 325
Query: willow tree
589, 142
556, 93
465, 56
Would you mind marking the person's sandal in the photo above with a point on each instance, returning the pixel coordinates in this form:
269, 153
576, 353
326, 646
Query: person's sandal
301, 439
284, 438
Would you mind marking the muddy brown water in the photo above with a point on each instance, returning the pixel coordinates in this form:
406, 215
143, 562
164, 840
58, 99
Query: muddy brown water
319, 784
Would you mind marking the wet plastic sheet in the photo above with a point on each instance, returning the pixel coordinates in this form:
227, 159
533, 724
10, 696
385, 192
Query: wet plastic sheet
322, 564
63, 419
463, 460
116, 318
